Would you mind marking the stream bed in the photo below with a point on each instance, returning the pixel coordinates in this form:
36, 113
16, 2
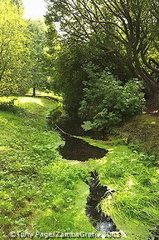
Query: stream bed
99, 220
77, 149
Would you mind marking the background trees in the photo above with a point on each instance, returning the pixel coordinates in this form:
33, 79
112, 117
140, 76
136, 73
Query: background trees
22, 50
14, 52
37, 39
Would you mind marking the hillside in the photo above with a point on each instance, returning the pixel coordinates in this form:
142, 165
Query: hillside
38, 189
42, 192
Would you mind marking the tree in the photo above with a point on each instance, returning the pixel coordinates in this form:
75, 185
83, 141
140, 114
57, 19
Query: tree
37, 37
68, 75
65, 63
19, 4
124, 29
14, 54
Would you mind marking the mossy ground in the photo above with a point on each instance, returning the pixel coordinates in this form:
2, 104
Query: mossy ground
43, 192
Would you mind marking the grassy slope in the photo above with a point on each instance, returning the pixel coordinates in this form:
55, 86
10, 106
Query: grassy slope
135, 204
143, 129
42, 192
38, 188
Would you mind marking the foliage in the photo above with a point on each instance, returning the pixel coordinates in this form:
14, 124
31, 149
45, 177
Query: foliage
37, 37
18, 3
125, 33
107, 101
9, 106
14, 54
22, 54
68, 75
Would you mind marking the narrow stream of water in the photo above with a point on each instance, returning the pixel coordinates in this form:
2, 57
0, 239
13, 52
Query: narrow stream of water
77, 149
99, 220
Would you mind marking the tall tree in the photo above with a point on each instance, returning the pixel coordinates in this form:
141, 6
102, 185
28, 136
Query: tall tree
37, 37
14, 54
124, 29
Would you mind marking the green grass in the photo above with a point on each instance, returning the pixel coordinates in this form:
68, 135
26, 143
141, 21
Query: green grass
42, 192
39, 190
143, 132
25, 148
134, 206
45, 94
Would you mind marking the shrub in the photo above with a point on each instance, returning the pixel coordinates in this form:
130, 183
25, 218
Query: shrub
107, 101
9, 106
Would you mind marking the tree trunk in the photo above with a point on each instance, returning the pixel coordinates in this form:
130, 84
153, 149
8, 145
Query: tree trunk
151, 87
152, 95
34, 93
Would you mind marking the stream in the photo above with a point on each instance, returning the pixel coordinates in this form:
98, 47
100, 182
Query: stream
77, 149
99, 220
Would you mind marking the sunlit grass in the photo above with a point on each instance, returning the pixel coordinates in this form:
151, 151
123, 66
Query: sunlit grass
39, 189
44, 94
30, 100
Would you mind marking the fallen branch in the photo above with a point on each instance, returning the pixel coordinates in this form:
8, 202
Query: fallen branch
63, 131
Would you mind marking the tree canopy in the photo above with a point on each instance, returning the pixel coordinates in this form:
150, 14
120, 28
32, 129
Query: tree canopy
126, 31
37, 38
22, 46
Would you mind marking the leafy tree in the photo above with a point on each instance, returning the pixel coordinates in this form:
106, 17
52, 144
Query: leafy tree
14, 54
37, 37
19, 4
125, 30
65, 61
68, 76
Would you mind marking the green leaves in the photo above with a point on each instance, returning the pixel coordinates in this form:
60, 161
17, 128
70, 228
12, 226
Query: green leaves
37, 46
107, 101
14, 68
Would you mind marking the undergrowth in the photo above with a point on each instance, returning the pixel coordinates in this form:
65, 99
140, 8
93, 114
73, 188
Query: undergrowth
142, 133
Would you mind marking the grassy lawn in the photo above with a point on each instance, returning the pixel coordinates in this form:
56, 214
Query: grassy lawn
41, 192
38, 188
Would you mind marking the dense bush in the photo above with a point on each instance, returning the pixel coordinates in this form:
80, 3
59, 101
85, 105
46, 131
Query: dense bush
107, 101
9, 106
